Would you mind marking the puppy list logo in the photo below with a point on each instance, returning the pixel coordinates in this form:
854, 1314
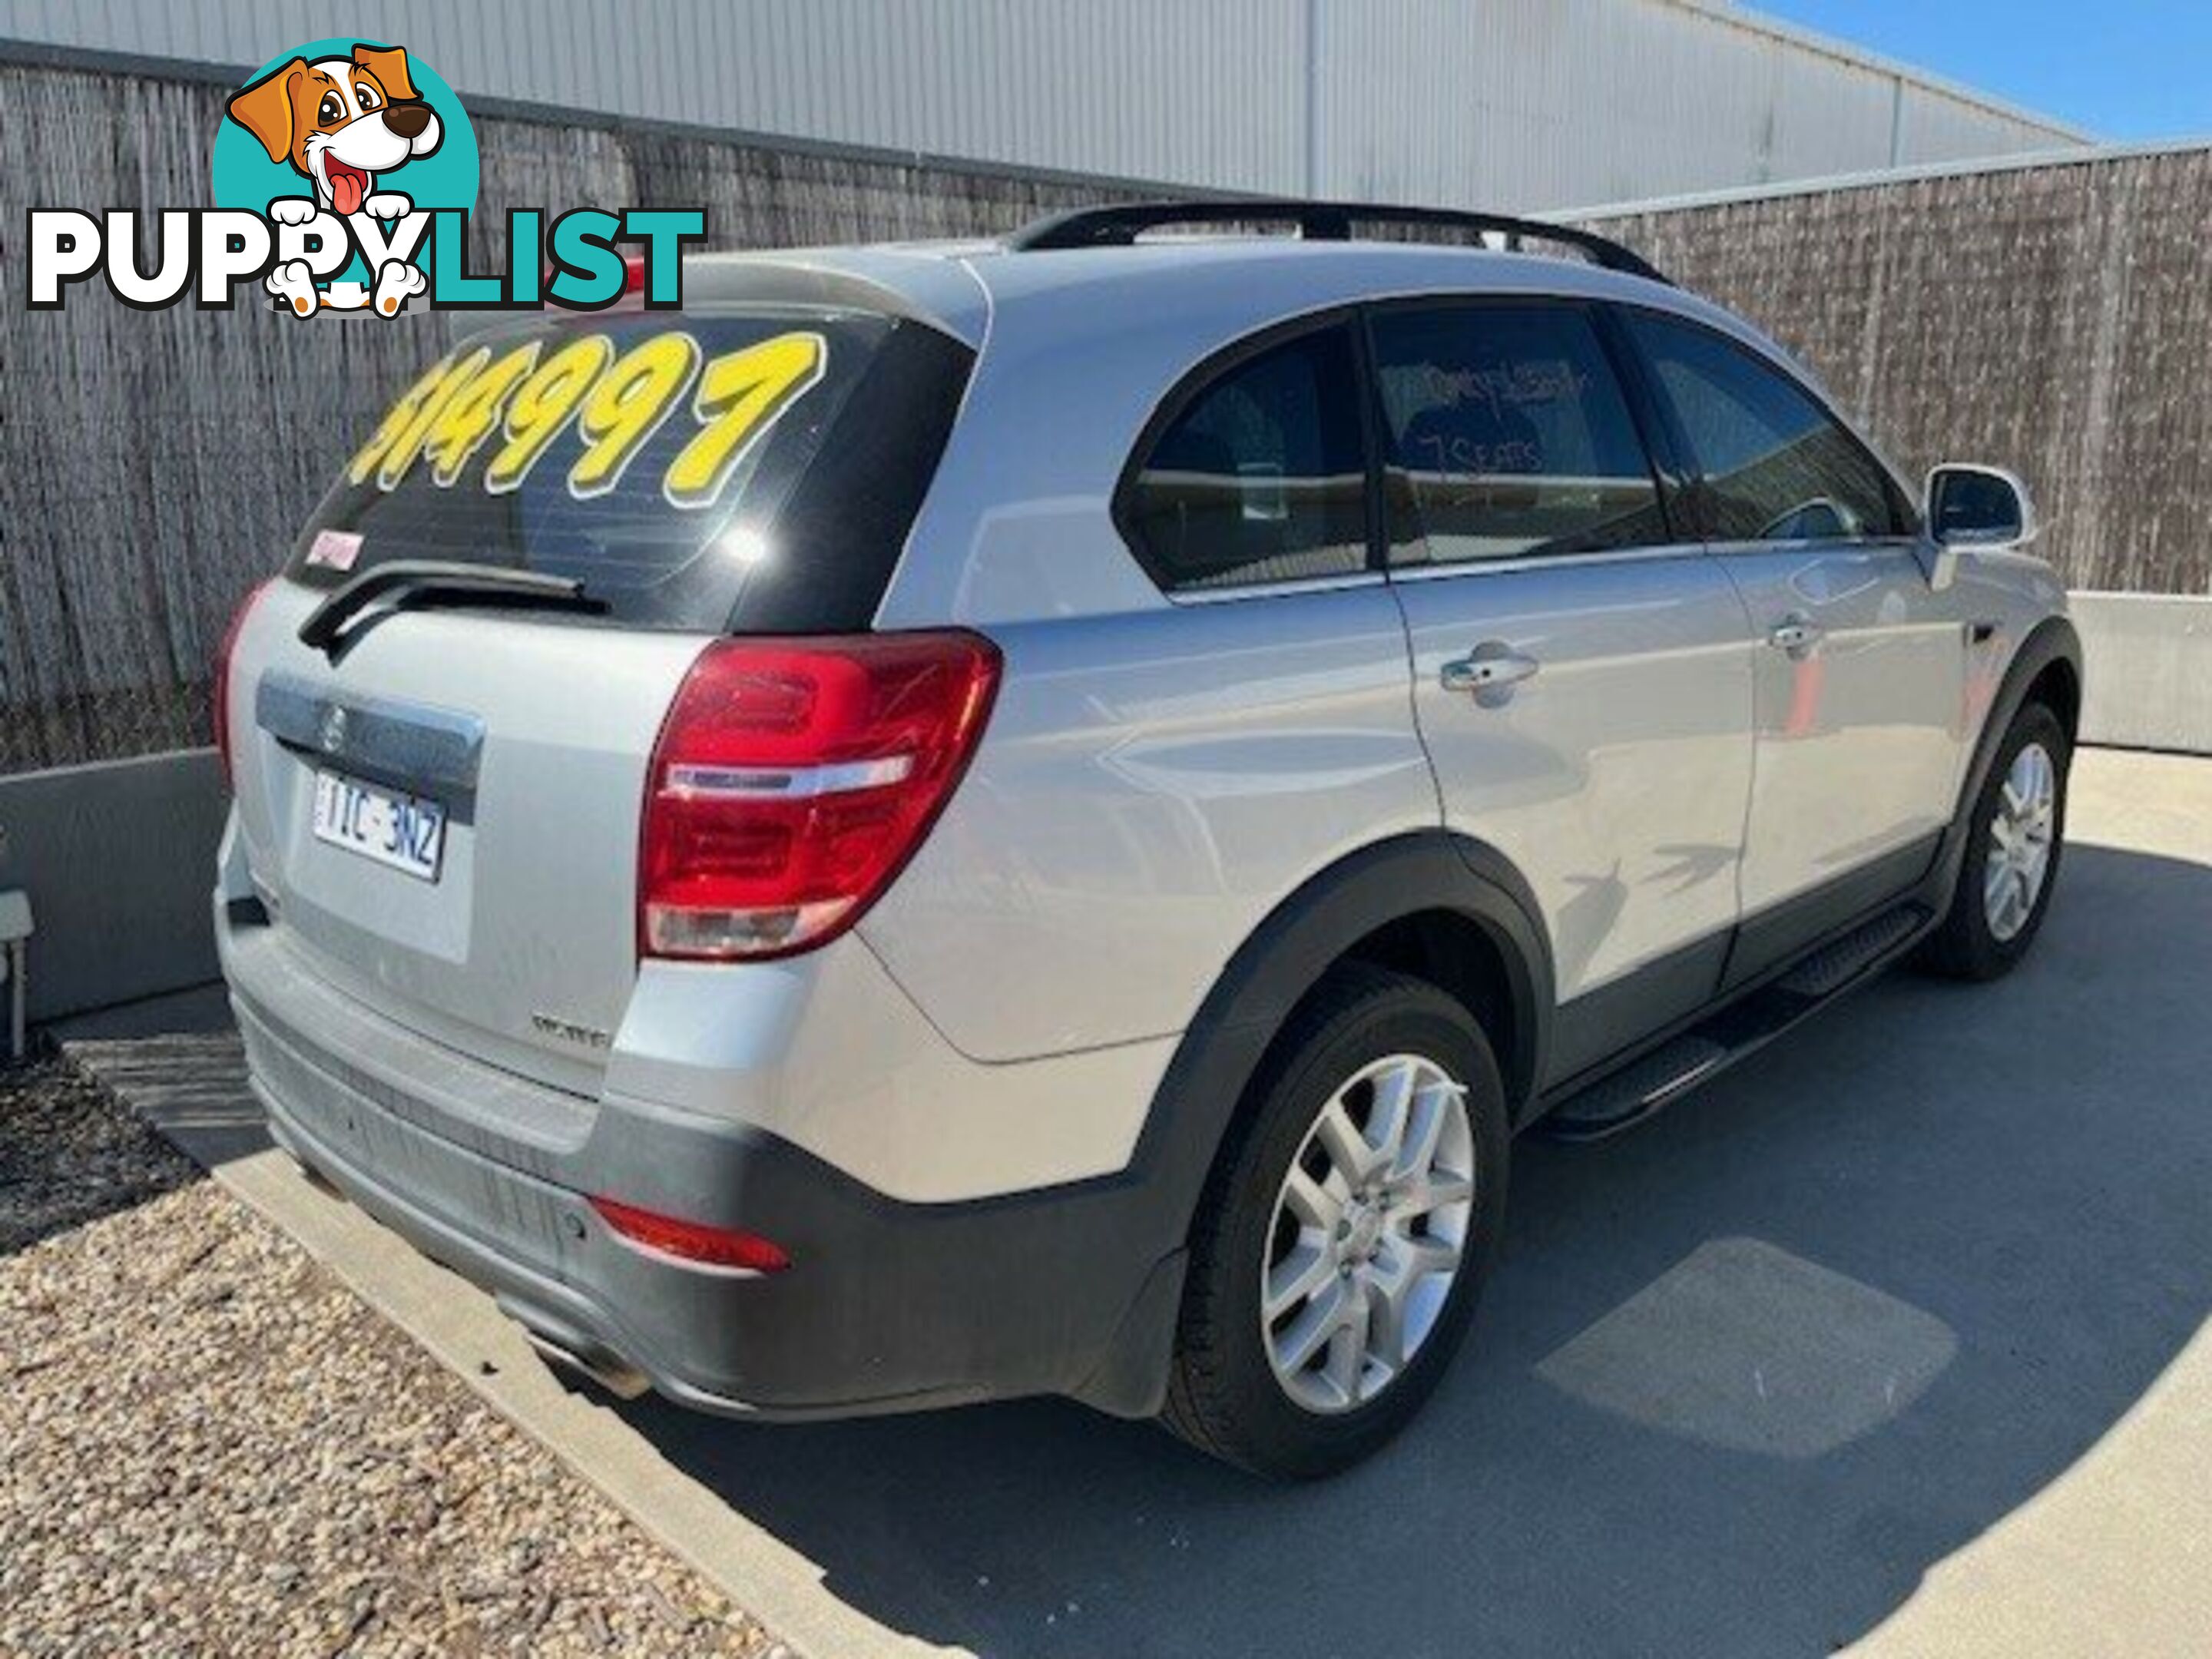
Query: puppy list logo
343, 174
329, 133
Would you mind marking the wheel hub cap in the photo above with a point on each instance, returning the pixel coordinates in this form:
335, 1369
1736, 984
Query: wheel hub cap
1367, 1233
1361, 1228
2021, 831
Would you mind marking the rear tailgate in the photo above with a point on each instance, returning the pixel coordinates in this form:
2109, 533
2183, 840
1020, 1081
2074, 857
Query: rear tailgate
481, 764
532, 739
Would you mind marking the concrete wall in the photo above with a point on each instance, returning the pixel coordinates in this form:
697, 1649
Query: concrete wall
119, 858
2150, 670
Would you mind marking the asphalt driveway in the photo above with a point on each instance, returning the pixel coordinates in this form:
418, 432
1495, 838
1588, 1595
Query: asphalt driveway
1896, 1333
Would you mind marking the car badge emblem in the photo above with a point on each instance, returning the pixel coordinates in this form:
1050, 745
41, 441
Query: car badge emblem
334, 730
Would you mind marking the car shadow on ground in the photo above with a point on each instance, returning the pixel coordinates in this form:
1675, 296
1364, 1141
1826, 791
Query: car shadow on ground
1744, 1375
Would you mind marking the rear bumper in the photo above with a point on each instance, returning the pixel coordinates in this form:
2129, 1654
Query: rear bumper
889, 1306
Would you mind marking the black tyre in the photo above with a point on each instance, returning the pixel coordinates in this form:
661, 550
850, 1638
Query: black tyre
2015, 835
1345, 1231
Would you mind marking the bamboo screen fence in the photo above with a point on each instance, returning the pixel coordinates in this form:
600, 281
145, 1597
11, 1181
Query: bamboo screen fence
155, 466
2055, 320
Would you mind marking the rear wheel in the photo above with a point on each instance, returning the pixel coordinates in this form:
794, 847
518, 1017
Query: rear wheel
2014, 838
1345, 1234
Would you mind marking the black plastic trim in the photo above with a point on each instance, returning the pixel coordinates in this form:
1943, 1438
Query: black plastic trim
1203, 1090
889, 1305
1290, 951
416, 582
1786, 931
1633, 1044
1618, 1015
840, 536
2053, 639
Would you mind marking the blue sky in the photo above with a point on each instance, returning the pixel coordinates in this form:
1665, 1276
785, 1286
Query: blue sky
2126, 70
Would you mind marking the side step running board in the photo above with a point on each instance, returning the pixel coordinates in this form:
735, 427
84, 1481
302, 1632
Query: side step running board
1629, 1095
1638, 1088
1839, 962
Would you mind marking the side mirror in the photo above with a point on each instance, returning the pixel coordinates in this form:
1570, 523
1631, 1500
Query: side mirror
1978, 506
1974, 506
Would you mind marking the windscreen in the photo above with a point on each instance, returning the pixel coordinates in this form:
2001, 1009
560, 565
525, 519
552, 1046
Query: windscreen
754, 471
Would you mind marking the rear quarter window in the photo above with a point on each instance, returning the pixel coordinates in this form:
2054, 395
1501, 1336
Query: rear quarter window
1260, 475
753, 471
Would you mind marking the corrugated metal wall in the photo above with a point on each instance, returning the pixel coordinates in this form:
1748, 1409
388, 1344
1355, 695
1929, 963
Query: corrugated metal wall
1552, 103
1498, 103
2056, 319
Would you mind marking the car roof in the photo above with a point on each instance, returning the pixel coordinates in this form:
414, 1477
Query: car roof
966, 286
922, 273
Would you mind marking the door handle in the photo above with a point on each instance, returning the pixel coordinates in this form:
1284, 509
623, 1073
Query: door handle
1796, 635
1487, 667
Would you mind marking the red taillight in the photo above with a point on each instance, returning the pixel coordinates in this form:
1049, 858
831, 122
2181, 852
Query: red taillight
221, 693
692, 1241
633, 273
793, 780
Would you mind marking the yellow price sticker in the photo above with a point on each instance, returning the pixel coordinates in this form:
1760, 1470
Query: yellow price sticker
740, 396
542, 407
396, 421
408, 443
469, 416
627, 407
523, 400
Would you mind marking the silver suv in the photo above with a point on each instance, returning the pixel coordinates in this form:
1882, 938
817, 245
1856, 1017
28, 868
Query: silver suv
962, 821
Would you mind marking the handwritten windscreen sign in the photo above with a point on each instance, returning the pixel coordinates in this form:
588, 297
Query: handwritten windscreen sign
506, 409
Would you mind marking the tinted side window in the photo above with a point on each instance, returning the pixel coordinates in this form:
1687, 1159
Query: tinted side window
1776, 466
1508, 430
1260, 477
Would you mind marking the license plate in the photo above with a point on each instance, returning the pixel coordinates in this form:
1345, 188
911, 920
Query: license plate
403, 832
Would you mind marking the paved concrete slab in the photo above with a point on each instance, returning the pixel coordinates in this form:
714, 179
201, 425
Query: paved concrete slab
1894, 1334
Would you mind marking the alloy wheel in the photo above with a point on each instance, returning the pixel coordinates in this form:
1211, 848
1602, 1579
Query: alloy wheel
1368, 1233
2021, 831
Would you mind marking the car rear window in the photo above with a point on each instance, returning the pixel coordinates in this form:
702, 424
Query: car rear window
748, 472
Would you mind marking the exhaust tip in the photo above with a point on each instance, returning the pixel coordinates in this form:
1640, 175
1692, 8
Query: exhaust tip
590, 1360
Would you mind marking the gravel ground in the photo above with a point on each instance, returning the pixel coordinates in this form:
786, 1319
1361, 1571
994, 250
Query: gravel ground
207, 1445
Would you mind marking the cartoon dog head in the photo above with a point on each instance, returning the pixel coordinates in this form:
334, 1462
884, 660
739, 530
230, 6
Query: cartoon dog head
340, 121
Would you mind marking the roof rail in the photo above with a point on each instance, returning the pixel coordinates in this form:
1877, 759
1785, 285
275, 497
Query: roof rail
1317, 222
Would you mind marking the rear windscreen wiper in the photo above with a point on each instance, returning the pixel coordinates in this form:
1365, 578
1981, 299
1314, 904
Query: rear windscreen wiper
418, 581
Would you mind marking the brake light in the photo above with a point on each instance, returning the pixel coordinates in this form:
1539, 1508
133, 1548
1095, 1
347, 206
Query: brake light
220, 691
794, 779
693, 1241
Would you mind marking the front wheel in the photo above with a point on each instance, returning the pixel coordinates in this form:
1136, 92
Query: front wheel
1345, 1233
2014, 837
